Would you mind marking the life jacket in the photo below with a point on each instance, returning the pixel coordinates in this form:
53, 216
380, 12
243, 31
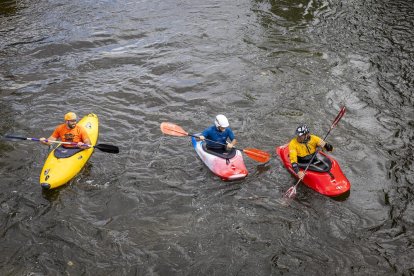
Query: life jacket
302, 150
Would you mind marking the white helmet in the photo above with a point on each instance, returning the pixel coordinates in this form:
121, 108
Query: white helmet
221, 121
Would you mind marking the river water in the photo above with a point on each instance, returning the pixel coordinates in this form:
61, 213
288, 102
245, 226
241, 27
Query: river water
154, 208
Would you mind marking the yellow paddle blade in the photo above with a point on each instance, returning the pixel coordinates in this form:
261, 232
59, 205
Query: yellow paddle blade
172, 129
258, 155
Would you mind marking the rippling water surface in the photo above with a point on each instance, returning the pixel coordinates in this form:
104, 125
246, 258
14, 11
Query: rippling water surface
154, 208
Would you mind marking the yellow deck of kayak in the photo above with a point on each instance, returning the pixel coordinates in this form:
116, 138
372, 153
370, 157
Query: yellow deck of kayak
59, 171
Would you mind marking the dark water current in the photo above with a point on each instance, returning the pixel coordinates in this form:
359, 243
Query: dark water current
155, 209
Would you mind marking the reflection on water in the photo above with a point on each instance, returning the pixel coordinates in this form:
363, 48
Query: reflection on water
342, 197
8, 7
52, 195
155, 208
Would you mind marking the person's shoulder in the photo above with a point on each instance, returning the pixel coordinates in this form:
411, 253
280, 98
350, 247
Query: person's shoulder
82, 128
316, 137
61, 126
293, 142
211, 128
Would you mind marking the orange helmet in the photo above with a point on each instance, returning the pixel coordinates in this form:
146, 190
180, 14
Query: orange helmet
70, 116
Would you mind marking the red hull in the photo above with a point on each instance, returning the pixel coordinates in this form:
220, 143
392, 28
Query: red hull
335, 184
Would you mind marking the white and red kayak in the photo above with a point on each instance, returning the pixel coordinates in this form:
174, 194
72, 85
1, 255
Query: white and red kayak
227, 166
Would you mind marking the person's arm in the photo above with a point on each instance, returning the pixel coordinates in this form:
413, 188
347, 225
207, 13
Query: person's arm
51, 138
325, 145
232, 138
293, 156
231, 144
86, 142
299, 172
321, 143
204, 134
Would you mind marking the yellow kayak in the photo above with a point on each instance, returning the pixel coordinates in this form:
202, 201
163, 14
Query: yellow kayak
60, 169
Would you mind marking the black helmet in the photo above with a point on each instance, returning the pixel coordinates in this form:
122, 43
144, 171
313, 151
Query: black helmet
302, 130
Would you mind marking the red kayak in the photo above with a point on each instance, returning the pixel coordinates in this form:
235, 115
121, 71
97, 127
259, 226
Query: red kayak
229, 167
324, 175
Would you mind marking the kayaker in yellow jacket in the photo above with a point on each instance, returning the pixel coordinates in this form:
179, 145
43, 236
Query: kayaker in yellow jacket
70, 131
303, 146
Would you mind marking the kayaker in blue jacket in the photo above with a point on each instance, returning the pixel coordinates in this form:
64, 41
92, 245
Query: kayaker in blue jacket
220, 133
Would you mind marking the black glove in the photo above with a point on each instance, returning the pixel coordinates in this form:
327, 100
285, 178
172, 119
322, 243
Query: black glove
295, 167
328, 147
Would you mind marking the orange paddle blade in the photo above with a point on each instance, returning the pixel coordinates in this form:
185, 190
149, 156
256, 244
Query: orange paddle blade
258, 155
172, 129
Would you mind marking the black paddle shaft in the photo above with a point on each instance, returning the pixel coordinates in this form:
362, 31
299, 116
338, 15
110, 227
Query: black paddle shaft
102, 147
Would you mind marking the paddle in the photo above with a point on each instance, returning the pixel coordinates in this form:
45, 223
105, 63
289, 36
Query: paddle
175, 130
291, 192
102, 147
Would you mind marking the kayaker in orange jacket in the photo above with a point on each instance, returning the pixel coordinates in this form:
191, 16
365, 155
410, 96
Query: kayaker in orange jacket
70, 131
303, 146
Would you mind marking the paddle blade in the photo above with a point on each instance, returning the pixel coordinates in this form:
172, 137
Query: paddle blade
338, 117
172, 129
107, 148
290, 193
258, 155
7, 136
